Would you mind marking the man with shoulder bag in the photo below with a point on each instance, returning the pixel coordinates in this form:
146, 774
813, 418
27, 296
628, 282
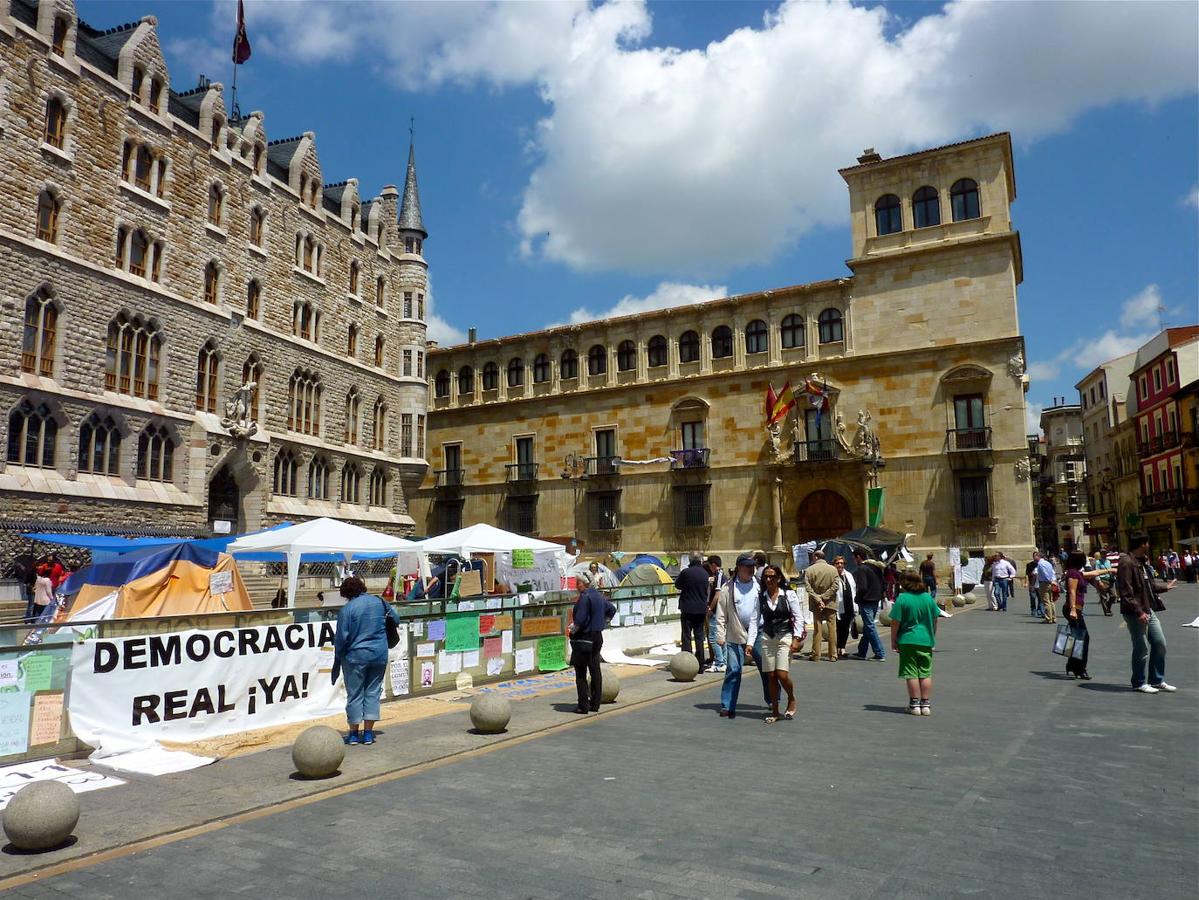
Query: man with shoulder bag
592, 612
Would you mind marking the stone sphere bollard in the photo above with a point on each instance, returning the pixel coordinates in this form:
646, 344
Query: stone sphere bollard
490, 713
611, 686
959, 601
318, 751
41, 815
684, 666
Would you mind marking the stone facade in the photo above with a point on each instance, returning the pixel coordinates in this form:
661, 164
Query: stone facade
1064, 513
158, 255
555, 432
1102, 397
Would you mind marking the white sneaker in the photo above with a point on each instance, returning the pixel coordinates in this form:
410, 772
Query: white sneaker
1169, 688
1147, 689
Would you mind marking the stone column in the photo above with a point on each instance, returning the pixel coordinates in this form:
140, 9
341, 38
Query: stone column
672, 357
776, 491
774, 338
705, 348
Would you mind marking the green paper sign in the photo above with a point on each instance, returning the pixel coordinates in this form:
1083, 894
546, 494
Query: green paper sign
38, 669
522, 559
551, 653
461, 632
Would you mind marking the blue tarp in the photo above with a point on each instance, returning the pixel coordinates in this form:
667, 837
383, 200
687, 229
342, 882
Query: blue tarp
103, 542
133, 565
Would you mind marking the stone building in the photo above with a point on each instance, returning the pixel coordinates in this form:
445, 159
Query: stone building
198, 331
648, 432
1102, 397
1064, 513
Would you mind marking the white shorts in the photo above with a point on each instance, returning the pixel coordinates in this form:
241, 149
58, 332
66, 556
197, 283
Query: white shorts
776, 653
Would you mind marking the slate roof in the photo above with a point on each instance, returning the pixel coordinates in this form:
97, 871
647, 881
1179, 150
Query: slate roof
279, 154
410, 217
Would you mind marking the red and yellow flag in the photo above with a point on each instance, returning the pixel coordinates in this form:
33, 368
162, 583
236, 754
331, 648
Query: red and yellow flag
778, 405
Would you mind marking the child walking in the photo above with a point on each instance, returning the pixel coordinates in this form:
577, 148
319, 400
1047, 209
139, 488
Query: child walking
913, 635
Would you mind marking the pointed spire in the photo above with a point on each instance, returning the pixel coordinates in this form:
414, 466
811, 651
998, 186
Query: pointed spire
410, 218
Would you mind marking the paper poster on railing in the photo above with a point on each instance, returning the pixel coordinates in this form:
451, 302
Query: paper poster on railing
127, 693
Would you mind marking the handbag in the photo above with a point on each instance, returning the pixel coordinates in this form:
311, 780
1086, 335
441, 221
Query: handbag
393, 630
1063, 640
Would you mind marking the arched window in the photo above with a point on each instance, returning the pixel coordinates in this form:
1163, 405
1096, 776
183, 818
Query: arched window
318, 479
257, 221
304, 402
352, 404
597, 360
379, 426
378, 351
656, 351
963, 197
689, 347
253, 299
926, 207
286, 469
792, 331
32, 435
133, 358
58, 42
380, 291
216, 204
139, 251
378, 487
491, 376
568, 365
206, 378
888, 216
156, 89
56, 123
466, 381
304, 321
351, 481
48, 208
441, 383
143, 166
160, 188
155, 454
309, 253
722, 342
626, 356
251, 373
139, 78
831, 325
352, 342
354, 268
516, 372
212, 283
757, 337
541, 369
41, 331
99, 445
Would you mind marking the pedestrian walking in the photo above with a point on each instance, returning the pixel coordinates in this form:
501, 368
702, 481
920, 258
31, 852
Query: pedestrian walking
1047, 588
1139, 605
1030, 576
694, 592
779, 620
869, 582
928, 574
913, 636
360, 654
846, 609
1072, 609
43, 592
592, 612
989, 583
822, 581
1003, 574
716, 582
736, 611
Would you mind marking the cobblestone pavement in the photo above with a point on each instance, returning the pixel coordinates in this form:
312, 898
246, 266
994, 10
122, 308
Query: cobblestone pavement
1022, 784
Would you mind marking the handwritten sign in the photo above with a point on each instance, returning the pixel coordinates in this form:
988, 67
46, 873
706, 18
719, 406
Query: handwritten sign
503, 622
221, 582
525, 659
492, 647
536, 626
10, 673
47, 719
14, 722
437, 630
401, 676
551, 654
486, 624
461, 632
522, 559
38, 669
506, 641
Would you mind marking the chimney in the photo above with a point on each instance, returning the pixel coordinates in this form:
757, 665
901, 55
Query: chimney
869, 156
472, 335
430, 344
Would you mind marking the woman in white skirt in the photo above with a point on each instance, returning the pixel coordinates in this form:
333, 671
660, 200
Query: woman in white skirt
781, 623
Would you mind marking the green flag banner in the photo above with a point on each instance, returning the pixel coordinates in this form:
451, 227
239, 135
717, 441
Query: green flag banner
875, 503
551, 653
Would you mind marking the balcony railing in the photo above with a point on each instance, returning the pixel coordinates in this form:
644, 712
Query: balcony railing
1165, 500
602, 465
522, 471
959, 439
450, 478
1159, 443
824, 450
693, 458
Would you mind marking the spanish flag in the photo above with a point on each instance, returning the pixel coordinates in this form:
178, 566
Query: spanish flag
778, 405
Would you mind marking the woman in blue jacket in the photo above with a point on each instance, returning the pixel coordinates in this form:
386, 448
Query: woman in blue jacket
360, 652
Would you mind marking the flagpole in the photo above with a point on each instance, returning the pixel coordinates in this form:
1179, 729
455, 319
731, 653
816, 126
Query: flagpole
236, 110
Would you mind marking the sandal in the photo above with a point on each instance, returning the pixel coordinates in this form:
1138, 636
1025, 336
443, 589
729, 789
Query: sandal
789, 715
770, 720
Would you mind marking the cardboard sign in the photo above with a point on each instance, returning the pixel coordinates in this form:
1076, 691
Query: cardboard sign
470, 583
540, 625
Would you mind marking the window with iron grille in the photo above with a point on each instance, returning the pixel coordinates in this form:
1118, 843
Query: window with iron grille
605, 510
691, 506
522, 514
447, 516
974, 496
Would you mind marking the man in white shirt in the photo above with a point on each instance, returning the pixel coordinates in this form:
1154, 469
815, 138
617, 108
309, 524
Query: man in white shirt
1002, 573
736, 614
1046, 579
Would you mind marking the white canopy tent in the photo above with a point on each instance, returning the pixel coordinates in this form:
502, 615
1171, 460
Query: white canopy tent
481, 539
323, 537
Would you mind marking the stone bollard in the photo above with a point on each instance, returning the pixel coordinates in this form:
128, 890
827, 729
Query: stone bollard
318, 752
684, 666
959, 601
490, 713
611, 685
41, 815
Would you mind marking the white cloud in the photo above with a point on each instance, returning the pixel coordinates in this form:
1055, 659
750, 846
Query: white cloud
438, 328
666, 295
1032, 417
1191, 198
695, 162
1043, 371
1142, 308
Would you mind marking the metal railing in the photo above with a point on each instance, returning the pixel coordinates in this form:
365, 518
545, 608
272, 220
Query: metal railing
450, 477
1164, 499
691, 458
1159, 443
526, 471
824, 450
958, 439
602, 465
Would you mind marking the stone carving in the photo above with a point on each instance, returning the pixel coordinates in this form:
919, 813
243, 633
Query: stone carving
239, 412
1015, 366
1023, 469
772, 431
865, 441
839, 431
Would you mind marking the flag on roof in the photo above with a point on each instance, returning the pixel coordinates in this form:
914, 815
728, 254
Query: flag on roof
241, 43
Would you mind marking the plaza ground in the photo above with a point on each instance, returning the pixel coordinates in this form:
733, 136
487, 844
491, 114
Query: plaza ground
1023, 783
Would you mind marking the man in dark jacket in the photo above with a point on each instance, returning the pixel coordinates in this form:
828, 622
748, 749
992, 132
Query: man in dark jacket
591, 615
869, 580
694, 589
1139, 605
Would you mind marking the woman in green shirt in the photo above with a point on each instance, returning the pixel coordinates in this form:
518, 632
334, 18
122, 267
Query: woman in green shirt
913, 635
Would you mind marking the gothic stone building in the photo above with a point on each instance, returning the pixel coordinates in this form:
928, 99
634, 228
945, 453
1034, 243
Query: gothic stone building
539, 432
198, 330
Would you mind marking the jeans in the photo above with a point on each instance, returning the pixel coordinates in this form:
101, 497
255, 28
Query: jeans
1034, 601
1003, 590
587, 662
1148, 643
718, 652
931, 584
730, 688
870, 635
31, 608
693, 626
364, 683
758, 663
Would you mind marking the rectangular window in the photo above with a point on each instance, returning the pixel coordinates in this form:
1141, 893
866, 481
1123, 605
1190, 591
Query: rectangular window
526, 463
605, 510
605, 443
452, 453
693, 435
407, 304
1144, 388
1157, 380
447, 516
1169, 371
420, 364
974, 500
691, 506
420, 435
406, 434
521, 513
1102, 390
407, 362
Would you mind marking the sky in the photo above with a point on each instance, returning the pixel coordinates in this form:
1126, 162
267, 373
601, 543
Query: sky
578, 159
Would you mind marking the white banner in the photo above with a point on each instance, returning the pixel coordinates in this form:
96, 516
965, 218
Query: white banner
127, 693
13, 778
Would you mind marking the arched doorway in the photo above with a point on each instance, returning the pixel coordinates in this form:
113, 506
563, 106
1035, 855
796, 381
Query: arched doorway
823, 514
224, 501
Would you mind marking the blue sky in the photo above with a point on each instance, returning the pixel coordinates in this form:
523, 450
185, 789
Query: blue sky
580, 159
